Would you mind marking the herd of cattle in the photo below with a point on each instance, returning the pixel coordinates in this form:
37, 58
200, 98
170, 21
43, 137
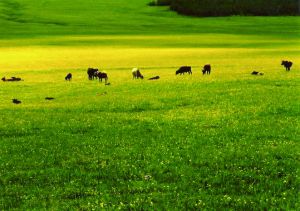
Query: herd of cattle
94, 73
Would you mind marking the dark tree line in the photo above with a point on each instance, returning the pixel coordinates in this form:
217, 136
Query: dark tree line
232, 7
160, 2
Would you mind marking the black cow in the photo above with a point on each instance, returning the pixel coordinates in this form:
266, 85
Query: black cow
184, 69
11, 79
16, 101
102, 75
154, 78
206, 69
257, 73
68, 77
92, 73
287, 65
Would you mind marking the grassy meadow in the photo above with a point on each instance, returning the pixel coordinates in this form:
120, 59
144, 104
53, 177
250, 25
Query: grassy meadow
225, 141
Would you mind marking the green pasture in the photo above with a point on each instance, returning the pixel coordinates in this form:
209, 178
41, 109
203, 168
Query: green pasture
35, 18
225, 141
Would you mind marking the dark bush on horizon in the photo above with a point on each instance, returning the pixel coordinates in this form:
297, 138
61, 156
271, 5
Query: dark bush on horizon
234, 7
160, 2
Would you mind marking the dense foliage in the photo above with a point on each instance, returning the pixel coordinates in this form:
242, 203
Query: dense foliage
160, 2
234, 7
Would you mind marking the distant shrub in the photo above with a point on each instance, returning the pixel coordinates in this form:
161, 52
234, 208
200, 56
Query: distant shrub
233, 7
160, 2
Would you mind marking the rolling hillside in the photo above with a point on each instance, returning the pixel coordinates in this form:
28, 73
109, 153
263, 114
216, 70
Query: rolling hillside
32, 18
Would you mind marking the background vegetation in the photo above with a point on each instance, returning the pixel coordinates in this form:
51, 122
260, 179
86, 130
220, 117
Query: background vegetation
233, 7
224, 141
160, 3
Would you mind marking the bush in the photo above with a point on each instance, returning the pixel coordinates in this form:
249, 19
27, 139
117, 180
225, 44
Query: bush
160, 3
233, 7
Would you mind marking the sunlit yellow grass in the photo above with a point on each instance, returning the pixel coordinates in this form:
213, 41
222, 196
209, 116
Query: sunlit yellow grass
46, 58
43, 68
42, 58
151, 40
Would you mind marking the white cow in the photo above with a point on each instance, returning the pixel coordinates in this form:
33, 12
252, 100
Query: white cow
136, 73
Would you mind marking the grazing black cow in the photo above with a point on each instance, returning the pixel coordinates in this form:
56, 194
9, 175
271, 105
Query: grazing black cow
92, 73
206, 69
154, 78
16, 101
15, 79
136, 73
257, 73
102, 75
184, 69
11, 79
68, 77
287, 65
49, 98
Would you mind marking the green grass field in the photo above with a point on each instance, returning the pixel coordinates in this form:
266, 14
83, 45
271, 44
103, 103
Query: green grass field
228, 141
